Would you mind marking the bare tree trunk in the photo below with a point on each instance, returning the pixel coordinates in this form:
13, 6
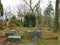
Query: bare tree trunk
56, 25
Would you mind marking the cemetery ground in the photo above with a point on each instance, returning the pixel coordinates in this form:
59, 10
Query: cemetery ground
48, 37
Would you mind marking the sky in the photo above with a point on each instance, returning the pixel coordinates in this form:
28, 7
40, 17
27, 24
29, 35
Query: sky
17, 2
14, 3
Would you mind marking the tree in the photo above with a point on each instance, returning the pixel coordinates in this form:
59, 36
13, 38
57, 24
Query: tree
39, 17
1, 9
30, 20
30, 5
47, 14
18, 10
26, 21
56, 24
12, 21
17, 22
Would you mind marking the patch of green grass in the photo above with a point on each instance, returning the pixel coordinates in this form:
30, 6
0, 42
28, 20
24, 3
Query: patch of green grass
48, 42
41, 41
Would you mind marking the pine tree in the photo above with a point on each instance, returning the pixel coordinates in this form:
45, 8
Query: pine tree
47, 14
39, 17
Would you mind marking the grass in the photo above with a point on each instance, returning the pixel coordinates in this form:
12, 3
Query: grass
41, 41
58, 37
48, 42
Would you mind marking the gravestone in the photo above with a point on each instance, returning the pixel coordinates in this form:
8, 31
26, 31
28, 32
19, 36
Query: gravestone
35, 35
14, 38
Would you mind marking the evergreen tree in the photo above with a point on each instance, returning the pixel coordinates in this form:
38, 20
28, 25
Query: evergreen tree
30, 20
26, 21
39, 17
47, 14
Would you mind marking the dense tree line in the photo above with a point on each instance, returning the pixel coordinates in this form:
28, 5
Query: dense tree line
34, 15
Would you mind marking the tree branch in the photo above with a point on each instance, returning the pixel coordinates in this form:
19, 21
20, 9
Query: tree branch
36, 4
30, 4
26, 3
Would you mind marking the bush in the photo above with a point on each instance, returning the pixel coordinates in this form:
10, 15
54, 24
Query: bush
13, 19
17, 22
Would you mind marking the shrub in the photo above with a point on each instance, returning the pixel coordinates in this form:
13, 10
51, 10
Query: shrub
17, 22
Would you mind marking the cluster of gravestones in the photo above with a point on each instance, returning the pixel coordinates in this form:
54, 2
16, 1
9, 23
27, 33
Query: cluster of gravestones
33, 35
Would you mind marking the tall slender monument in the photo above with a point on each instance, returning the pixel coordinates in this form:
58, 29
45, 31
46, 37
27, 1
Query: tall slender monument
1, 9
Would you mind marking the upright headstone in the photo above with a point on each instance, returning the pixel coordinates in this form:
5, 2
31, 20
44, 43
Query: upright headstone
35, 35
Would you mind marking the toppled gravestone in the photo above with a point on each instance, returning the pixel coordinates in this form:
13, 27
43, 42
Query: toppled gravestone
14, 38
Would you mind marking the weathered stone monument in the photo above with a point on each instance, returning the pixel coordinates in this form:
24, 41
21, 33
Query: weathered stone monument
34, 35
